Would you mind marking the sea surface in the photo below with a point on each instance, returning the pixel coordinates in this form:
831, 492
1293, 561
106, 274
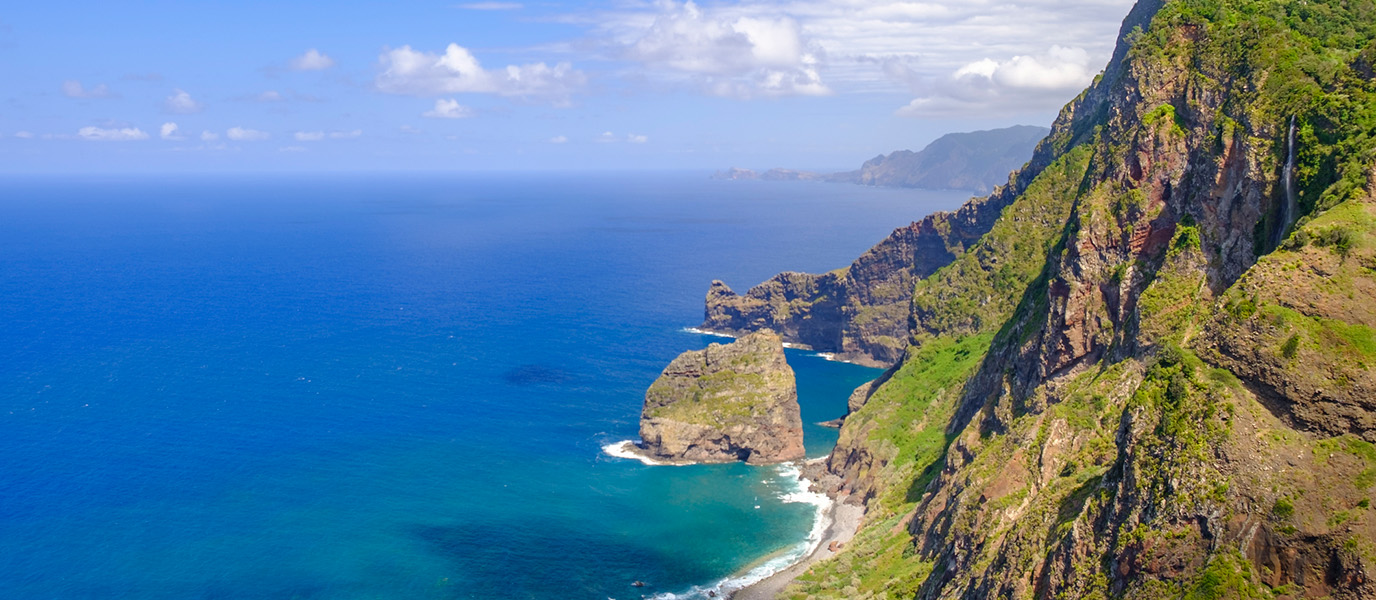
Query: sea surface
393, 386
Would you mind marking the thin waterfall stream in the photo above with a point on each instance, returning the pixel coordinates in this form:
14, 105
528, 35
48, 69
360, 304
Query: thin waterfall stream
1287, 211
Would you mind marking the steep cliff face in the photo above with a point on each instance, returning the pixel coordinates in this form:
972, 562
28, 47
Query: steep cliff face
1144, 397
726, 403
861, 312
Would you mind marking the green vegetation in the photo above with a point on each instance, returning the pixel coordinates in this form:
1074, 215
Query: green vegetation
980, 288
1038, 462
1363, 450
1308, 58
1228, 576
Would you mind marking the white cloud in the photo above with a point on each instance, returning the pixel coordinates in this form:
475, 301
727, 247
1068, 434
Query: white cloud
169, 131
73, 89
608, 137
492, 6
181, 103
312, 60
292, 149
558, 139
315, 136
1008, 86
407, 129
448, 109
457, 71
856, 46
209, 136
240, 134
269, 96
727, 53
24, 135
124, 134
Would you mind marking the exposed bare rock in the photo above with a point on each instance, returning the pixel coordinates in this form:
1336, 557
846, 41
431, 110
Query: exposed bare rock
731, 402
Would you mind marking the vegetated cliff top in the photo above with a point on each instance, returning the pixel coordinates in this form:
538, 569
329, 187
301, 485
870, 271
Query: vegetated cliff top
724, 384
737, 401
1148, 396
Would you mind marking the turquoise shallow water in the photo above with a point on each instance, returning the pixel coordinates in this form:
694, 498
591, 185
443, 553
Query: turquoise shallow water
386, 387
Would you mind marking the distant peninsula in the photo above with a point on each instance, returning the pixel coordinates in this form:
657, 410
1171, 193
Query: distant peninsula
978, 161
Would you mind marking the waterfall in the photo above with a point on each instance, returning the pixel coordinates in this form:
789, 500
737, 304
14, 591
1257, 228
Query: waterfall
1287, 211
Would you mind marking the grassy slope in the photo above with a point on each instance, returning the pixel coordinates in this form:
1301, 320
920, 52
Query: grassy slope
1307, 59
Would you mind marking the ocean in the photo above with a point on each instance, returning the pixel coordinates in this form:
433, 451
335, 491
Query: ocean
389, 386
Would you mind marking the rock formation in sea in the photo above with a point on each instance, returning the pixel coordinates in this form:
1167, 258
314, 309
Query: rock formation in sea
860, 312
729, 402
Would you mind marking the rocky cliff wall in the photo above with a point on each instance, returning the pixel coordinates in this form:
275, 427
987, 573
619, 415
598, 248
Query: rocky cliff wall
731, 402
1170, 406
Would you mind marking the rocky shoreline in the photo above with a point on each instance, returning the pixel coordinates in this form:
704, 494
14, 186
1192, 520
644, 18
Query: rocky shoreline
843, 520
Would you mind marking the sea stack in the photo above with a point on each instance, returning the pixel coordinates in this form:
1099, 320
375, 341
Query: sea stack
730, 402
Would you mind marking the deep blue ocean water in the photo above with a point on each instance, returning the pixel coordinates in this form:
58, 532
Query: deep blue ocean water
387, 386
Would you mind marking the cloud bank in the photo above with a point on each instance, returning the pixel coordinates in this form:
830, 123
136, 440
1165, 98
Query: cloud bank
457, 71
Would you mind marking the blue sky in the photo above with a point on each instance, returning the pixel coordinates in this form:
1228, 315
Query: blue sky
254, 86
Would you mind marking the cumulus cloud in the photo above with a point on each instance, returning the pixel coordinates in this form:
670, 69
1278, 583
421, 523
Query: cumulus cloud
169, 131
181, 103
729, 54
312, 60
292, 149
209, 136
309, 136
73, 89
491, 6
448, 109
269, 96
99, 134
558, 139
608, 137
240, 134
782, 47
24, 135
994, 86
457, 71
346, 135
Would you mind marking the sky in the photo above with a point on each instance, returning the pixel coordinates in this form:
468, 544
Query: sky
103, 87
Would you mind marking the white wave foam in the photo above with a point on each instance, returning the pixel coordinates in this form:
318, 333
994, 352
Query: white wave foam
707, 332
796, 492
825, 355
627, 449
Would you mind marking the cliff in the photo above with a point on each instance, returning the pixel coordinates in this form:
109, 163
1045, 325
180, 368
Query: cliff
730, 402
1151, 375
861, 312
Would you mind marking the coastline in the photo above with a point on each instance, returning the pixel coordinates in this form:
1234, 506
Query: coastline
835, 524
844, 521
831, 356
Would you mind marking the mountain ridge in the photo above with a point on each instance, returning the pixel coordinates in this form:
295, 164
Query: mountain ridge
976, 161
1150, 375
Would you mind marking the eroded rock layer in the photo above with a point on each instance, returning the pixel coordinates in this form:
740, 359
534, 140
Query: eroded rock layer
729, 402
